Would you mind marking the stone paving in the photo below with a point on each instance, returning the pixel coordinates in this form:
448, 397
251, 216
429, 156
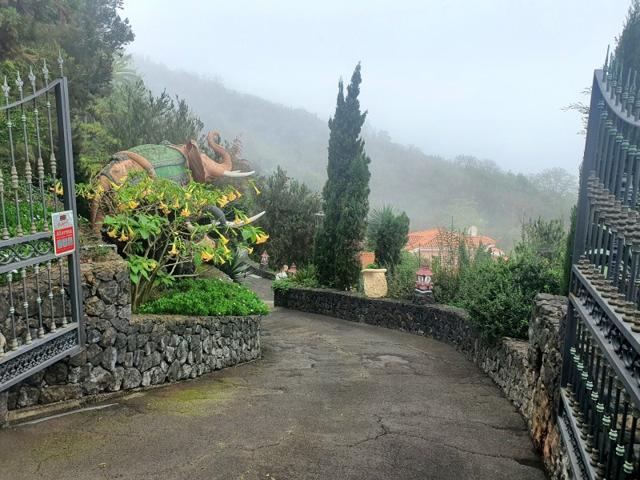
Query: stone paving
329, 400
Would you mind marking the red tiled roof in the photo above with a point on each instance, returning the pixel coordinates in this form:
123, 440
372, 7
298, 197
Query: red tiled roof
367, 258
424, 238
435, 237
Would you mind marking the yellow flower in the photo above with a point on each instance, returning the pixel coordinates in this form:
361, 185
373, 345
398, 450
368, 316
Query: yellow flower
250, 250
176, 204
133, 204
238, 193
164, 207
113, 233
222, 201
123, 237
224, 239
231, 196
261, 238
258, 192
185, 211
206, 256
237, 220
58, 189
174, 250
226, 250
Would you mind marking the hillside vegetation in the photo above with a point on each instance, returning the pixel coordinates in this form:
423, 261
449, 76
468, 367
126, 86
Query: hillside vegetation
432, 191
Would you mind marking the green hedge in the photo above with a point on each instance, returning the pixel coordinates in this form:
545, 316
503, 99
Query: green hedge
207, 297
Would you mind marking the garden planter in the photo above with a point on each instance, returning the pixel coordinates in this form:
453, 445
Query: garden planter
375, 282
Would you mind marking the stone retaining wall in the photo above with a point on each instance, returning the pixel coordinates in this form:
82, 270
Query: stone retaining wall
125, 351
527, 371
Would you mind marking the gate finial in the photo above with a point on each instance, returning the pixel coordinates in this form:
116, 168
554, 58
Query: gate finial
60, 62
32, 79
19, 84
5, 90
45, 71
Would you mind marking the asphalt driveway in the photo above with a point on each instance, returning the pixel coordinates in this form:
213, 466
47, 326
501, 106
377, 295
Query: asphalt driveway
329, 400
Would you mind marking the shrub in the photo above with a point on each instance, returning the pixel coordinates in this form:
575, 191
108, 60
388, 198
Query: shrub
387, 235
291, 218
305, 277
154, 223
206, 297
499, 293
496, 306
402, 280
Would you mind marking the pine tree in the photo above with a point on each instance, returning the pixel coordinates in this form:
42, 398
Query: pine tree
346, 193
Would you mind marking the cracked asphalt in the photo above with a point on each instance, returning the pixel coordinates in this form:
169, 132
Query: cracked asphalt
329, 399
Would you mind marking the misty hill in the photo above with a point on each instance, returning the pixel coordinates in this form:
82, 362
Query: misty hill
433, 191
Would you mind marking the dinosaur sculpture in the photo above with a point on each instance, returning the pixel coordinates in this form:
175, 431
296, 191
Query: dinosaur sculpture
173, 162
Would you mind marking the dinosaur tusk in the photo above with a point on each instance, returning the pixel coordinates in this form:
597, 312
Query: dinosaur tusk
237, 174
244, 222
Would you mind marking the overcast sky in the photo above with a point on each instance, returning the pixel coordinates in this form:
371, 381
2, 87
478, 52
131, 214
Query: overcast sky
486, 78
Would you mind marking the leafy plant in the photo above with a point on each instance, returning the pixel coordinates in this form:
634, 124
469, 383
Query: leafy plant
305, 277
282, 285
496, 305
291, 221
387, 235
206, 297
236, 268
401, 282
155, 223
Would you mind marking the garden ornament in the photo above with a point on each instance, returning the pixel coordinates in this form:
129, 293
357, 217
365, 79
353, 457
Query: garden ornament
173, 162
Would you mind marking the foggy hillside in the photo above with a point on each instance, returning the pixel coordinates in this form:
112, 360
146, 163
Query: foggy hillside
433, 191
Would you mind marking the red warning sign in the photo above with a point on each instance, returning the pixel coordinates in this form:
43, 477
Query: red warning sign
64, 235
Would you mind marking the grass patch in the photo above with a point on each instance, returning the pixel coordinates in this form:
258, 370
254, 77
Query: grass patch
206, 297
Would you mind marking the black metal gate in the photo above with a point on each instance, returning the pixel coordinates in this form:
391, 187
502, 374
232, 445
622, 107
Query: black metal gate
40, 290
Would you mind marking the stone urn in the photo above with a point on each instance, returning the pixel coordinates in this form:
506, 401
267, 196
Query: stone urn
375, 282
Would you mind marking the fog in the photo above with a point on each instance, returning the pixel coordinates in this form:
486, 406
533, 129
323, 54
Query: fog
485, 78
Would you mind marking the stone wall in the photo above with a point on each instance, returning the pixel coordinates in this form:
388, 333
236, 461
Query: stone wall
527, 371
125, 351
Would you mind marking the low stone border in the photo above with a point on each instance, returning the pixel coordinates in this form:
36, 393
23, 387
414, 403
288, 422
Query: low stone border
528, 372
125, 351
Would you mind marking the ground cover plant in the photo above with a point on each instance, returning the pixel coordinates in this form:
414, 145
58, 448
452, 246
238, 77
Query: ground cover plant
206, 297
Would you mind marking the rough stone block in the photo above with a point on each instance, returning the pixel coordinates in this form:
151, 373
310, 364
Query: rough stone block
58, 393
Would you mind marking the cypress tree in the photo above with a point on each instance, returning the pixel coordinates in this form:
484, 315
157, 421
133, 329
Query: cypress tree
346, 193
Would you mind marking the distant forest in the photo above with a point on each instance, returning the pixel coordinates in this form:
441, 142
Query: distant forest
433, 191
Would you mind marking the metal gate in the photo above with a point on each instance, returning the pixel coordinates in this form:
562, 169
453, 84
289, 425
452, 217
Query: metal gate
40, 291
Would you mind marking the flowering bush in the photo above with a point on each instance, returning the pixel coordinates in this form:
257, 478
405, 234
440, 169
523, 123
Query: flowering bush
164, 230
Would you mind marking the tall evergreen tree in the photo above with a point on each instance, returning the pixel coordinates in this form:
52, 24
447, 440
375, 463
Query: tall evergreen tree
346, 193
628, 43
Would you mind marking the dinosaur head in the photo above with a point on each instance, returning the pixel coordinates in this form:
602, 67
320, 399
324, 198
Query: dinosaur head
204, 168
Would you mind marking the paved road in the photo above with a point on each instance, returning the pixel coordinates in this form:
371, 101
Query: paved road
329, 400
